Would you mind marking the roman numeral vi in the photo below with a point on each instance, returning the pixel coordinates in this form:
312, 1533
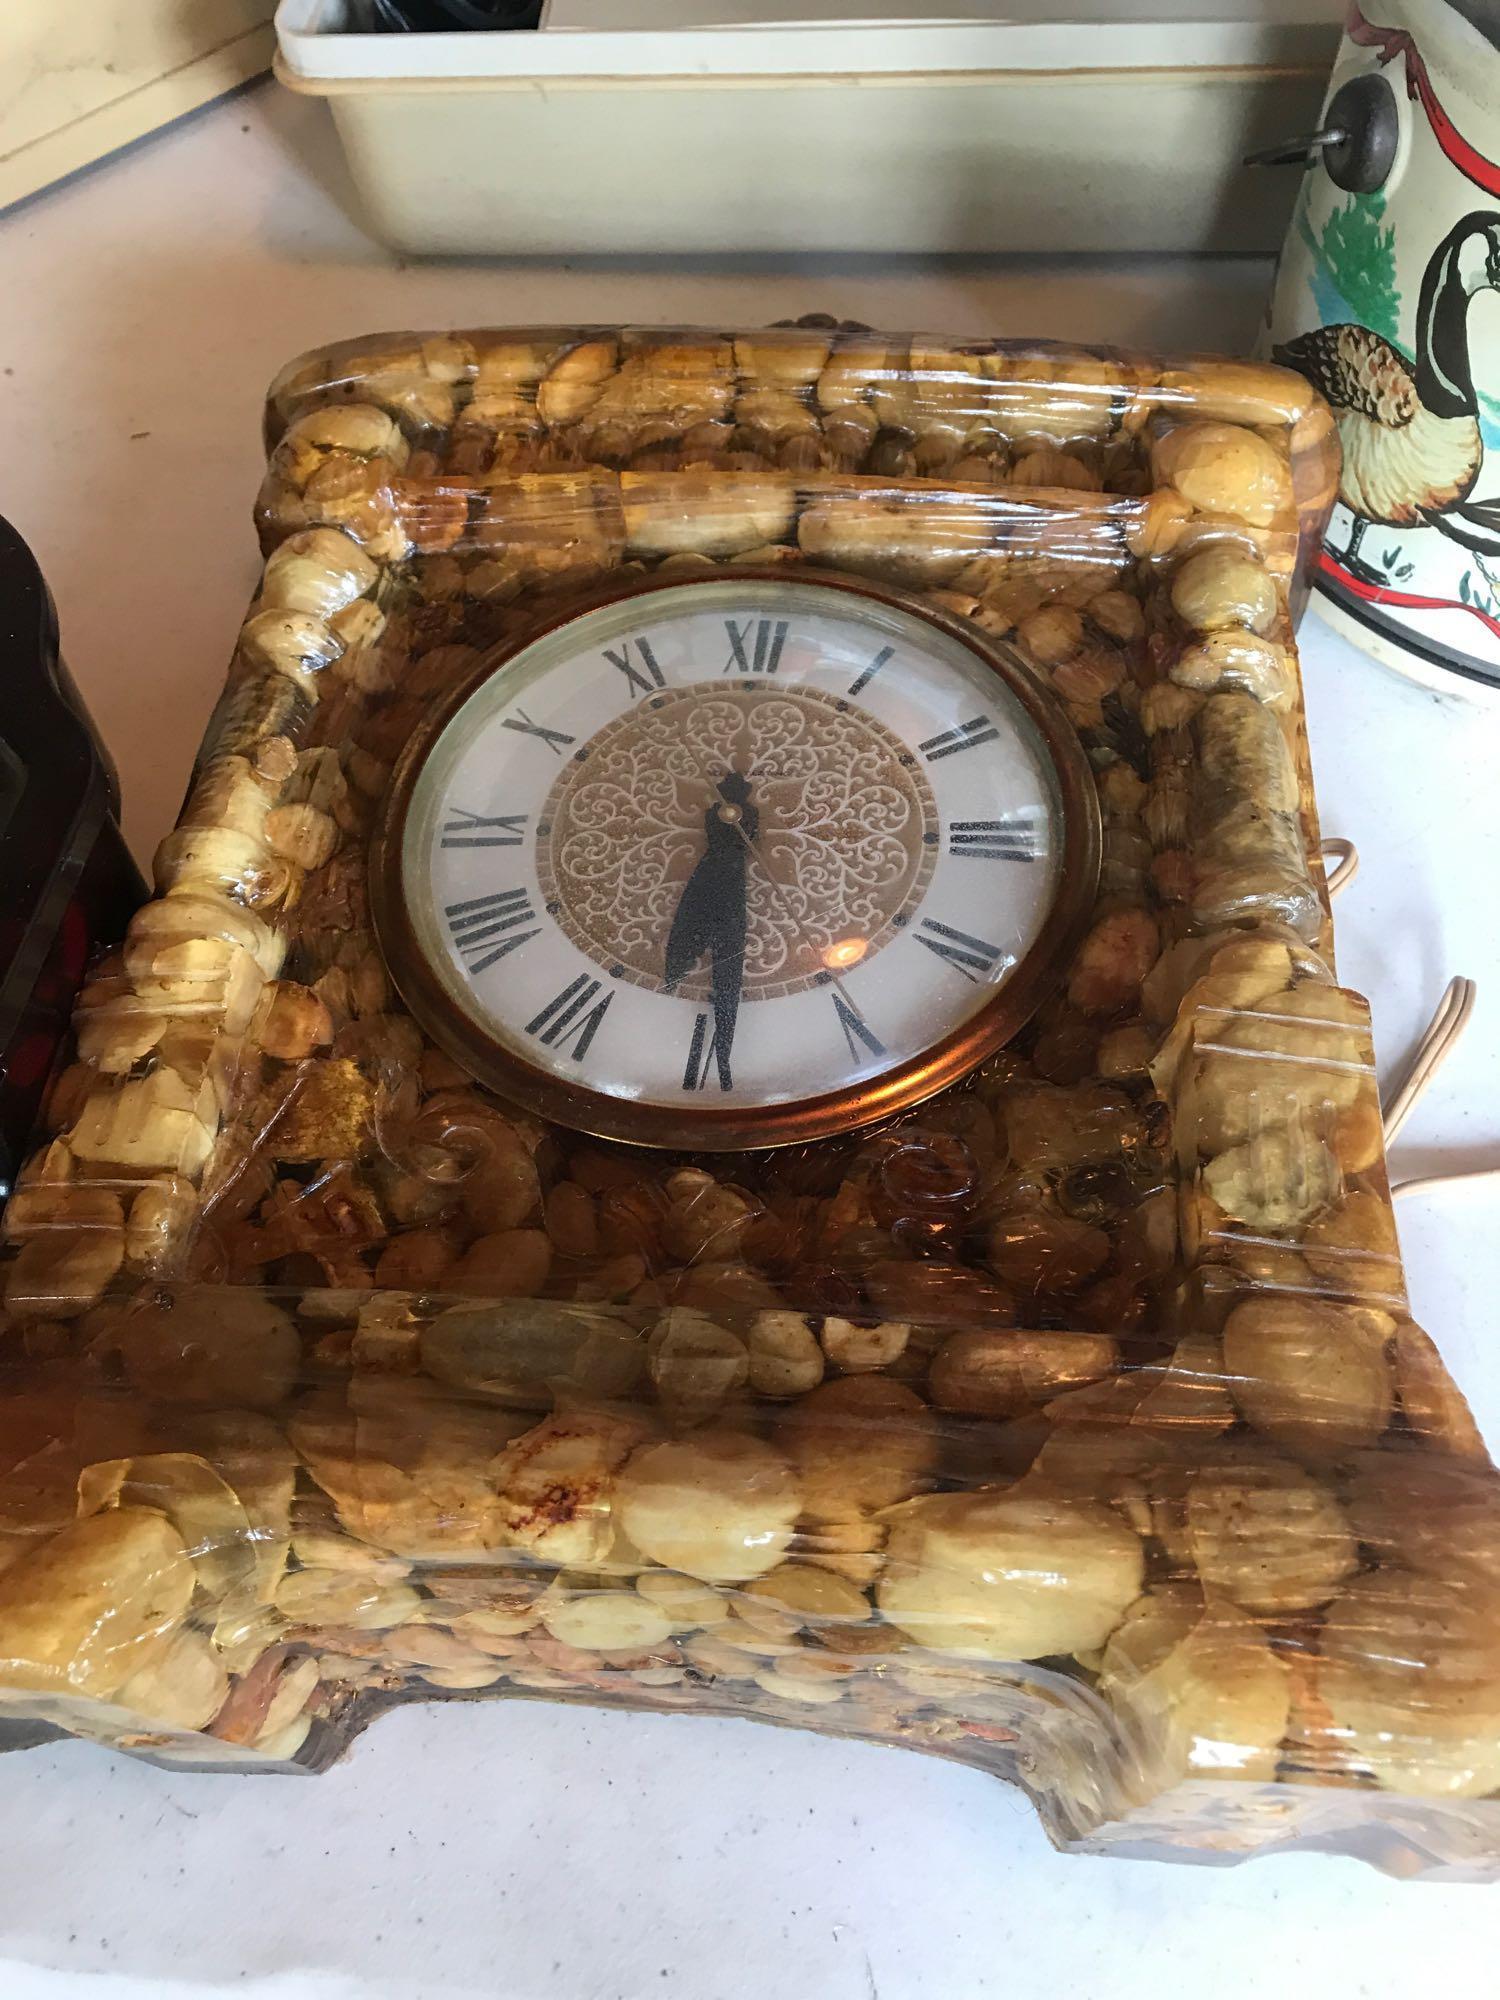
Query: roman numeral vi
857, 1032
703, 1050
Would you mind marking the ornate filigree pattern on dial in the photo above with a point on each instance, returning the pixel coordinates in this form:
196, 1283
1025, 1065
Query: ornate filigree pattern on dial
848, 832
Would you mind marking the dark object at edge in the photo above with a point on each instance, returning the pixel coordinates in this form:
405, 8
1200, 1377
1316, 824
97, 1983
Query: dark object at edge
67, 882
427, 17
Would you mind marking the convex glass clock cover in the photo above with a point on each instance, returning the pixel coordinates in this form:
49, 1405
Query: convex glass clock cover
737, 862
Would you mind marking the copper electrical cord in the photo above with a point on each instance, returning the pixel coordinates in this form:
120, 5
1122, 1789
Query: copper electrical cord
1443, 1032
1440, 1038
1348, 864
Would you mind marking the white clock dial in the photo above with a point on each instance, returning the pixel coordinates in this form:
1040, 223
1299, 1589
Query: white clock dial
742, 841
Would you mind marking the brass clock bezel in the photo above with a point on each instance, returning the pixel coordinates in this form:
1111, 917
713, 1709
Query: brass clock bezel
730, 1128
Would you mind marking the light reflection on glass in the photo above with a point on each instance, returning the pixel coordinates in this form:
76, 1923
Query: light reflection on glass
839, 956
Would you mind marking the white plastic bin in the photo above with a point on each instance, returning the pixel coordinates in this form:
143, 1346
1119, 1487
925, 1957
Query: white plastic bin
1121, 128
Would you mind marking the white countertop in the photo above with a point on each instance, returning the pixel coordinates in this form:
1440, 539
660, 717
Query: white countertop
536, 1852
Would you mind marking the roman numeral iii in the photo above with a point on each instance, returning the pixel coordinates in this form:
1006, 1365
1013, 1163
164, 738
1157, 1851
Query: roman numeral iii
755, 647
485, 928
971, 956
467, 829
1017, 838
641, 671
948, 743
571, 1021
703, 1051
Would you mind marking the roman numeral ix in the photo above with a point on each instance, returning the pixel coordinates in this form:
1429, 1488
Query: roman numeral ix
571, 1021
755, 647
1017, 838
468, 829
645, 678
485, 928
553, 738
948, 743
971, 956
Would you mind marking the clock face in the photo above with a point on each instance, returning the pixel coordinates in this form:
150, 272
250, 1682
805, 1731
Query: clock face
735, 861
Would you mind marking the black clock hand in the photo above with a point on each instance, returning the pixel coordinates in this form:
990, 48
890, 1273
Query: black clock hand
710, 915
728, 977
745, 825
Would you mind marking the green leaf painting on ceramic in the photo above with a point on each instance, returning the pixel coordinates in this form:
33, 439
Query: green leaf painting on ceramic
1360, 255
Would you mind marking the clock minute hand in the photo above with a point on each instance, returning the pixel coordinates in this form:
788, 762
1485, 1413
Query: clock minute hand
728, 978
747, 827
711, 917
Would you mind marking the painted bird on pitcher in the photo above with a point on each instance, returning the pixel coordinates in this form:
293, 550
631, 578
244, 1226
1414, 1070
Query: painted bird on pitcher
1410, 429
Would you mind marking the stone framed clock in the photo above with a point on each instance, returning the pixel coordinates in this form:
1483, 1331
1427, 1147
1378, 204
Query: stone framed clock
715, 741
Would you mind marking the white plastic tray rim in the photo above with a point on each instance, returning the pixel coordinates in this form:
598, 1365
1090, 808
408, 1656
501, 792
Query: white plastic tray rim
1098, 35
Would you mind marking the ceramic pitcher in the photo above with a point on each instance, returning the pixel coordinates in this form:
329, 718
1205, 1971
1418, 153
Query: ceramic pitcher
1384, 298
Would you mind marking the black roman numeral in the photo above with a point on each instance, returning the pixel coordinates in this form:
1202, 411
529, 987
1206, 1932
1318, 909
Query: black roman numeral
969, 955
705, 1049
856, 1032
645, 679
858, 685
755, 648
553, 738
1017, 838
979, 729
485, 928
468, 829
571, 1021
